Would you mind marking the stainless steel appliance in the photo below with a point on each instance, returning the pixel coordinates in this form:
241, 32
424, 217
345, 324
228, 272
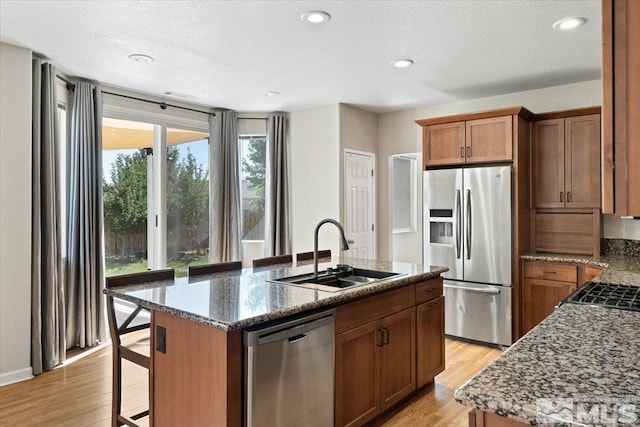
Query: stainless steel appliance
289, 378
467, 226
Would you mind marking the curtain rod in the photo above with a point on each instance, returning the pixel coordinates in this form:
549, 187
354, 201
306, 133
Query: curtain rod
163, 105
71, 86
252, 118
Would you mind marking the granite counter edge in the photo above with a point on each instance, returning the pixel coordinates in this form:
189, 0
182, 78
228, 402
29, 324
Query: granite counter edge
339, 298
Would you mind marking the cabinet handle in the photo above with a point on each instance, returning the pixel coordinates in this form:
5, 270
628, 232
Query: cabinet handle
462, 152
381, 342
561, 193
385, 341
468, 151
568, 196
549, 272
431, 289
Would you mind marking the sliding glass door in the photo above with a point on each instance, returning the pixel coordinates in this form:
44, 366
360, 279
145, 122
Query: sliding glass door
187, 237
156, 196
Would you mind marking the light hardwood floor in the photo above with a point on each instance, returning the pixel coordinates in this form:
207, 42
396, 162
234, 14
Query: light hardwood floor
79, 393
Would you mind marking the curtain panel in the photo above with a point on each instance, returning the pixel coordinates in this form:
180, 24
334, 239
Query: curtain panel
277, 227
47, 286
85, 261
226, 213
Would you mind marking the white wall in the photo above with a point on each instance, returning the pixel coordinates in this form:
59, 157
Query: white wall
15, 213
315, 176
400, 134
397, 136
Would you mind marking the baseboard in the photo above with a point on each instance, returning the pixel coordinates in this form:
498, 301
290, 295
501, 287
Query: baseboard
16, 376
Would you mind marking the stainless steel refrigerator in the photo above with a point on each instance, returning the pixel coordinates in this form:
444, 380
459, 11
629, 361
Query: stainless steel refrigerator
467, 226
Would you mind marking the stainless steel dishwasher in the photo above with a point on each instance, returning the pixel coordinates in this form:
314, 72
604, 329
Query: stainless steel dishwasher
289, 371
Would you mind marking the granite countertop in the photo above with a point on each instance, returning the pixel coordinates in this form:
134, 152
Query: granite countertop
618, 269
579, 355
239, 299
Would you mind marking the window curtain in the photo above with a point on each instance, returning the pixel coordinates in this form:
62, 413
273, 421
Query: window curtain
85, 262
277, 233
226, 214
47, 286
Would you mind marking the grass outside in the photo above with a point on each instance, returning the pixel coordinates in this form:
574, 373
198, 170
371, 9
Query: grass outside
117, 267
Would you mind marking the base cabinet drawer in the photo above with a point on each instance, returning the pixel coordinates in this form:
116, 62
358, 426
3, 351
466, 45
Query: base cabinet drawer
551, 271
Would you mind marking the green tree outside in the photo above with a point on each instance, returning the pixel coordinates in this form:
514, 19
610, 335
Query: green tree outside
125, 208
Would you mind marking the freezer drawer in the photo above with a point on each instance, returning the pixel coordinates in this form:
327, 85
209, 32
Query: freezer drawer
289, 373
478, 312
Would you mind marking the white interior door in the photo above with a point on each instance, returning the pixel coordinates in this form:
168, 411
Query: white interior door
359, 204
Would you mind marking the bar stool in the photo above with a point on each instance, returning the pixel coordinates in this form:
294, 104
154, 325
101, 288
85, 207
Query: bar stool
196, 270
121, 351
271, 260
305, 256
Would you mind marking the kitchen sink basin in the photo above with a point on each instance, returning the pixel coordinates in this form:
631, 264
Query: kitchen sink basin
335, 279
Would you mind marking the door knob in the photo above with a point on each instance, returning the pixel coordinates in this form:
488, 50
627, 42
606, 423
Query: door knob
351, 242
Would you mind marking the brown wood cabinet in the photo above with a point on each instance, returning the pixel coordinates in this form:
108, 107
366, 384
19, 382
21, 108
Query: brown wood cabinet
382, 354
375, 367
620, 107
566, 162
357, 375
474, 141
397, 357
546, 284
443, 144
430, 346
489, 140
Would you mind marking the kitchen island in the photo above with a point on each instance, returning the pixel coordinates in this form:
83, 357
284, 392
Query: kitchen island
579, 366
196, 372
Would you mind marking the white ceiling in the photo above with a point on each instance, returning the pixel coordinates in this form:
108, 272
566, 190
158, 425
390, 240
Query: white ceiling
228, 53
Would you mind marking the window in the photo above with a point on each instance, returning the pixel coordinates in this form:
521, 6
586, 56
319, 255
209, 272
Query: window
403, 189
253, 157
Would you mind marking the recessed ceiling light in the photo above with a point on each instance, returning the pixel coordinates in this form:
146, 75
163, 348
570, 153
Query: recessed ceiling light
180, 95
315, 16
272, 93
402, 63
569, 23
138, 57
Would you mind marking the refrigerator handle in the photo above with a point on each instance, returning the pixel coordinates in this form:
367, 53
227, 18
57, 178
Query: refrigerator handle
458, 224
468, 239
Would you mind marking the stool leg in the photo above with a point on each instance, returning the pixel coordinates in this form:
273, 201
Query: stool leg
116, 401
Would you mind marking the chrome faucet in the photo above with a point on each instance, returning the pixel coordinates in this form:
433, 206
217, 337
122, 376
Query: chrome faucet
345, 246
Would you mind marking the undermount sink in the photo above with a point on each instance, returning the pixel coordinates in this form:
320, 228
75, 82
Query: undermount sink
335, 279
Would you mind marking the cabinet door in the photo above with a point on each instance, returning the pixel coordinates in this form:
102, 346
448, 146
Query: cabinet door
489, 140
358, 374
430, 340
582, 161
397, 357
443, 144
540, 297
548, 164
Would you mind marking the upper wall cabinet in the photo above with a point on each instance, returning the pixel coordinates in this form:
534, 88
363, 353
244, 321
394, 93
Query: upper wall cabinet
484, 137
620, 107
566, 162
